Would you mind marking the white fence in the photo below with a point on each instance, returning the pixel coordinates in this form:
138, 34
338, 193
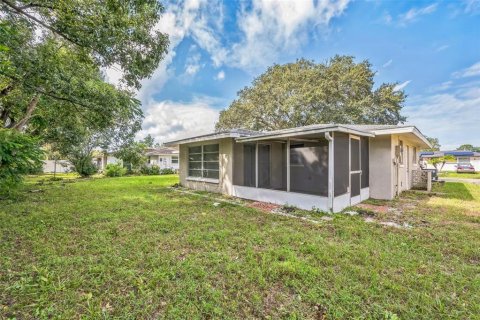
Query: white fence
61, 166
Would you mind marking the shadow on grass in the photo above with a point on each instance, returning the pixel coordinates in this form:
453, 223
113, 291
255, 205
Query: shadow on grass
454, 190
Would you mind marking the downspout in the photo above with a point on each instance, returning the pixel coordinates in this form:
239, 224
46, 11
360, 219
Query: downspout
330, 170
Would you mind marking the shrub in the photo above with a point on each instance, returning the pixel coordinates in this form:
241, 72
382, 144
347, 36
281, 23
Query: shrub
115, 170
150, 170
83, 165
167, 171
20, 154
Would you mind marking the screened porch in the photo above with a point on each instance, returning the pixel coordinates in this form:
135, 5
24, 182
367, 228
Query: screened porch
325, 171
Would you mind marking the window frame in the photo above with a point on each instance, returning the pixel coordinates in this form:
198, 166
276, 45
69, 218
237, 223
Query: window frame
203, 170
174, 159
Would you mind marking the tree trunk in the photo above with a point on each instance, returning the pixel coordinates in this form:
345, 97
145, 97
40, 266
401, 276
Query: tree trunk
31, 107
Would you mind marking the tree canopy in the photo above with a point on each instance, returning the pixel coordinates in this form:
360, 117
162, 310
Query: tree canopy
52, 55
435, 144
468, 147
305, 92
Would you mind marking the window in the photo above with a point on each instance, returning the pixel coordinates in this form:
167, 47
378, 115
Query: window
174, 159
203, 161
415, 160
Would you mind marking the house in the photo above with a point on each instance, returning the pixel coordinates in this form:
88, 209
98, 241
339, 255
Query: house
326, 166
461, 157
102, 159
165, 158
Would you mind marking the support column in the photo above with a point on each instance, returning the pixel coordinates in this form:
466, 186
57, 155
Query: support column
331, 171
288, 164
256, 164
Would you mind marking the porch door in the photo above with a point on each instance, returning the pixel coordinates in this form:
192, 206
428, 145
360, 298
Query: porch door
264, 166
355, 170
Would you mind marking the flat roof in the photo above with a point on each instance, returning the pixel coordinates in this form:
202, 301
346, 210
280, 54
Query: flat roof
242, 135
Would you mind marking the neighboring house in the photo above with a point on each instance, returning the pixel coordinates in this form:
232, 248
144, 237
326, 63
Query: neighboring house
165, 158
328, 167
461, 157
102, 159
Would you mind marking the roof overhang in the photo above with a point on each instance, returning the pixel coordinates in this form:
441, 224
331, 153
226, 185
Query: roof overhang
206, 137
405, 130
299, 132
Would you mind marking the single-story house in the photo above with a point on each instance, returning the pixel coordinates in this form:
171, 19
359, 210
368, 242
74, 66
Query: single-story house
165, 158
461, 157
327, 166
102, 159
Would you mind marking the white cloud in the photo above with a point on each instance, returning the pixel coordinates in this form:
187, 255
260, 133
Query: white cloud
441, 48
412, 14
472, 71
220, 75
401, 86
387, 64
269, 27
452, 117
168, 120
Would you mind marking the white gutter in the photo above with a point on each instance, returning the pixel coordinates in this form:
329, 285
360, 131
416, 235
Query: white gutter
330, 170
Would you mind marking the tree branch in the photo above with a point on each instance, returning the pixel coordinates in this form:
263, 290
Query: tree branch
28, 114
20, 10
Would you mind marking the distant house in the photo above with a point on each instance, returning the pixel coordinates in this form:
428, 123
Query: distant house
165, 158
325, 166
102, 159
461, 157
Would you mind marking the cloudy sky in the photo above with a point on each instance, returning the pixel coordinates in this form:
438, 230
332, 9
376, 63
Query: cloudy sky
432, 49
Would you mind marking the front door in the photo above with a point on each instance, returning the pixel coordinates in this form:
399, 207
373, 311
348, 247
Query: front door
407, 172
355, 170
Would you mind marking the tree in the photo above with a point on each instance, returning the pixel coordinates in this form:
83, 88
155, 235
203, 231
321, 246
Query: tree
133, 154
304, 93
439, 162
466, 147
435, 144
149, 141
117, 34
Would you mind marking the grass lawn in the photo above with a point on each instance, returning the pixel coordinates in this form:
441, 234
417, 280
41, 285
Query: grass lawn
451, 174
133, 248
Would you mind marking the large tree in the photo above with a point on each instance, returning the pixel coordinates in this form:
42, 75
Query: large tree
305, 92
52, 54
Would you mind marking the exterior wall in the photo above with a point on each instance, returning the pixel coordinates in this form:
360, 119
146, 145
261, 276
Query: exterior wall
386, 177
224, 184
381, 167
163, 161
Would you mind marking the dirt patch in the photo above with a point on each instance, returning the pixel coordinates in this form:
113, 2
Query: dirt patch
263, 206
374, 208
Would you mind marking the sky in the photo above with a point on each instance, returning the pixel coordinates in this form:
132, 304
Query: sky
431, 49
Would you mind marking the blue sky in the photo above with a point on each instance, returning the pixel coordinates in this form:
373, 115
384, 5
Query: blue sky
431, 49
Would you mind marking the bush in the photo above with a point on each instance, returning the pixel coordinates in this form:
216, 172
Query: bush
83, 165
115, 170
150, 170
20, 154
167, 171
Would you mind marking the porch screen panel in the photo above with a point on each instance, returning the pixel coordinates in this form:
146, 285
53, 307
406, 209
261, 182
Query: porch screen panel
249, 165
264, 169
341, 163
364, 149
355, 188
309, 167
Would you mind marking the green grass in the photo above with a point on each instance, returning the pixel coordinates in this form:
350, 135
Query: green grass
451, 174
132, 248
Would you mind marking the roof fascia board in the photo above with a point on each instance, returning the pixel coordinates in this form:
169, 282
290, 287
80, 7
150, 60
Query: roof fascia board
411, 129
203, 138
299, 132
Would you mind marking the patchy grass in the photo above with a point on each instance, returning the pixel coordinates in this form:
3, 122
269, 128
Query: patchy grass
132, 248
451, 174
